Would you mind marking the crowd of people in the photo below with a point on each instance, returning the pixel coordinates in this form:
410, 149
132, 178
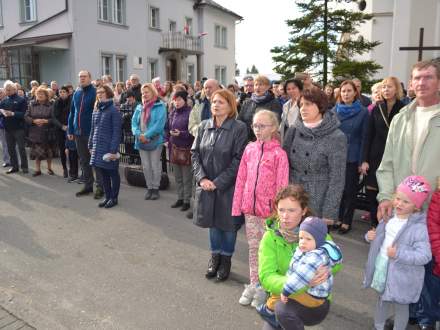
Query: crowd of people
284, 159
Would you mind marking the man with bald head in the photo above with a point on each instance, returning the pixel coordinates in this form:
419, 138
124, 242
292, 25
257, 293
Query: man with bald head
12, 110
202, 109
79, 127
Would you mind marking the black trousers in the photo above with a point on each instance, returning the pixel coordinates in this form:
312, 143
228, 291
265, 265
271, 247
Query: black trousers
111, 182
372, 199
73, 163
82, 146
61, 149
16, 138
348, 202
294, 316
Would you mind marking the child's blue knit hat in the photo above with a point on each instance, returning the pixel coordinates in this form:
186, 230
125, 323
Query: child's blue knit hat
315, 227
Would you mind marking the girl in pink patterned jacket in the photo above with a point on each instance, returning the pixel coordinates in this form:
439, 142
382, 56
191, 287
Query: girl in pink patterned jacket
264, 169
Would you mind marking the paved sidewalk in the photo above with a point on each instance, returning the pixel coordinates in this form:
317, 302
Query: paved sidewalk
9, 321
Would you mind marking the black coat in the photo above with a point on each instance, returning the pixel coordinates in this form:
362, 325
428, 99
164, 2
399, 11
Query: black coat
216, 155
250, 107
377, 133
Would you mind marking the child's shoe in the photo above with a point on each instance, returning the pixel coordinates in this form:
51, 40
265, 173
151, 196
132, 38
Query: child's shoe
248, 295
260, 297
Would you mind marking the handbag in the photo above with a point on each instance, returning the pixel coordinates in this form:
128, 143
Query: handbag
180, 156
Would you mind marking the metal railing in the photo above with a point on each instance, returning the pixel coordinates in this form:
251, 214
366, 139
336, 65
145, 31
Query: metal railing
181, 41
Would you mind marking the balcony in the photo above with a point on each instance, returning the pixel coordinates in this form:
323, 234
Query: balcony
180, 42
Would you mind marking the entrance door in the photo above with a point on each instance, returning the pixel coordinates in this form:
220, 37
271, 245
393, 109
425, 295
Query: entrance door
171, 69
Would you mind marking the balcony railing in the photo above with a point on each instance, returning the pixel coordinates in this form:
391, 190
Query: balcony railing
181, 42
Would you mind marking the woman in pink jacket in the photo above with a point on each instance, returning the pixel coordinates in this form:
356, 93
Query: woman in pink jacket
264, 169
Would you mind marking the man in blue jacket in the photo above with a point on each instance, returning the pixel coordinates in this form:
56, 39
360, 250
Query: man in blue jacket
12, 109
79, 127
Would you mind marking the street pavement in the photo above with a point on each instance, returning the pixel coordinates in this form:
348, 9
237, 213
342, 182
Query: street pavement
66, 264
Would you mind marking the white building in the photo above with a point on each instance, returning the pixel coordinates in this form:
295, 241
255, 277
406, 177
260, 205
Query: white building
397, 24
174, 39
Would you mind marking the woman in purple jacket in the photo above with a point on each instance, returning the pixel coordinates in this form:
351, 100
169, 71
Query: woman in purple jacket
179, 144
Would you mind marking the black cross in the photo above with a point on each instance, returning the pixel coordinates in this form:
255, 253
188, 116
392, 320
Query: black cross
421, 48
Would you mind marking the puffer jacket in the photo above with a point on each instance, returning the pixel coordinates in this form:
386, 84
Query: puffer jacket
264, 169
406, 271
434, 228
105, 134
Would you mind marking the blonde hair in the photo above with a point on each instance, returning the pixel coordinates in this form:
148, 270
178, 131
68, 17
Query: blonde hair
270, 114
42, 89
262, 80
151, 88
396, 82
230, 99
376, 86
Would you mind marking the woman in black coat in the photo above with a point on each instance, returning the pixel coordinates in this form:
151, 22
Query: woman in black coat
216, 155
262, 98
378, 125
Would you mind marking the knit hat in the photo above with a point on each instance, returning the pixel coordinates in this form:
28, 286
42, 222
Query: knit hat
181, 94
416, 188
315, 227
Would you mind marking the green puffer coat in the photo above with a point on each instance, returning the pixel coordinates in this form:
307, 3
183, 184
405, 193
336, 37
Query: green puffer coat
274, 257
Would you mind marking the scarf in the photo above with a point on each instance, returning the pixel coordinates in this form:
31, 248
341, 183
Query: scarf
266, 97
146, 112
345, 111
313, 125
290, 235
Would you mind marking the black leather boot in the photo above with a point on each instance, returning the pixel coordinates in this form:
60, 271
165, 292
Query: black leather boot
213, 265
224, 269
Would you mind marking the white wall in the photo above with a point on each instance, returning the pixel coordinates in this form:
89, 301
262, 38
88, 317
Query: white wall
218, 56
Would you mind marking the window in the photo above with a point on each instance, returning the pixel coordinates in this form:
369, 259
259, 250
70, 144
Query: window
188, 29
119, 12
190, 74
154, 18
1, 15
107, 64
28, 11
152, 68
121, 68
220, 36
172, 26
111, 11
220, 74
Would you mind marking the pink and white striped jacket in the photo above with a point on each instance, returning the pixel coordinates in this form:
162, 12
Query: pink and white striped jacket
264, 169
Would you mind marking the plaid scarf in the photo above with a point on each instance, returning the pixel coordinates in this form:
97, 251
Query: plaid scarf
146, 112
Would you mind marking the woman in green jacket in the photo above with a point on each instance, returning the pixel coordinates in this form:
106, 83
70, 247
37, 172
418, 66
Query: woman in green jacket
277, 247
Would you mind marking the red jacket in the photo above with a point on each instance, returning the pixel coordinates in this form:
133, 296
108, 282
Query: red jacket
264, 169
433, 220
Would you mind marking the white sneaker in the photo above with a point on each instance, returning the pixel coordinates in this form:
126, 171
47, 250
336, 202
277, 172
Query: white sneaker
259, 298
248, 295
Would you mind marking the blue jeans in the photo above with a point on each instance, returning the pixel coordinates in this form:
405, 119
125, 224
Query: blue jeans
222, 242
111, 182
427, 310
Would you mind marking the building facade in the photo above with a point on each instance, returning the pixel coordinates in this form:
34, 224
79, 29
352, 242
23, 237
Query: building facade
173, 39
396, 24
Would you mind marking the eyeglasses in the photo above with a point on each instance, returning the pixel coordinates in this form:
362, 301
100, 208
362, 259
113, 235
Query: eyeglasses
260, 126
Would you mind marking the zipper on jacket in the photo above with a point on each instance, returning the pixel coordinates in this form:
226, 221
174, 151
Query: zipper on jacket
256, 180
80, 111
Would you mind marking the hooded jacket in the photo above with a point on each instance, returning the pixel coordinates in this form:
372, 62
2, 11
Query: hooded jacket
317, 159
406, 271
264, 169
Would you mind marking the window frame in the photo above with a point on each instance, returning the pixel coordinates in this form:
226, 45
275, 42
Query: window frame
32, 11
110, 66
118, 67
192, 80
122, 11
109, 13
1, 13
220, 36
152, 9
150, 72
170, 23
190, 27
222, 74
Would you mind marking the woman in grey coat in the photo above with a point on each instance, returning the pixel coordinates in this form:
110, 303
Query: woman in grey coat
317, 151
216, 155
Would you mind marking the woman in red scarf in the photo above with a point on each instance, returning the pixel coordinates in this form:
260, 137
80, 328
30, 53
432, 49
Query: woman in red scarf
147, 125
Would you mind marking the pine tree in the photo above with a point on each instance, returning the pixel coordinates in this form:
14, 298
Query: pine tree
319, 41
254, 69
